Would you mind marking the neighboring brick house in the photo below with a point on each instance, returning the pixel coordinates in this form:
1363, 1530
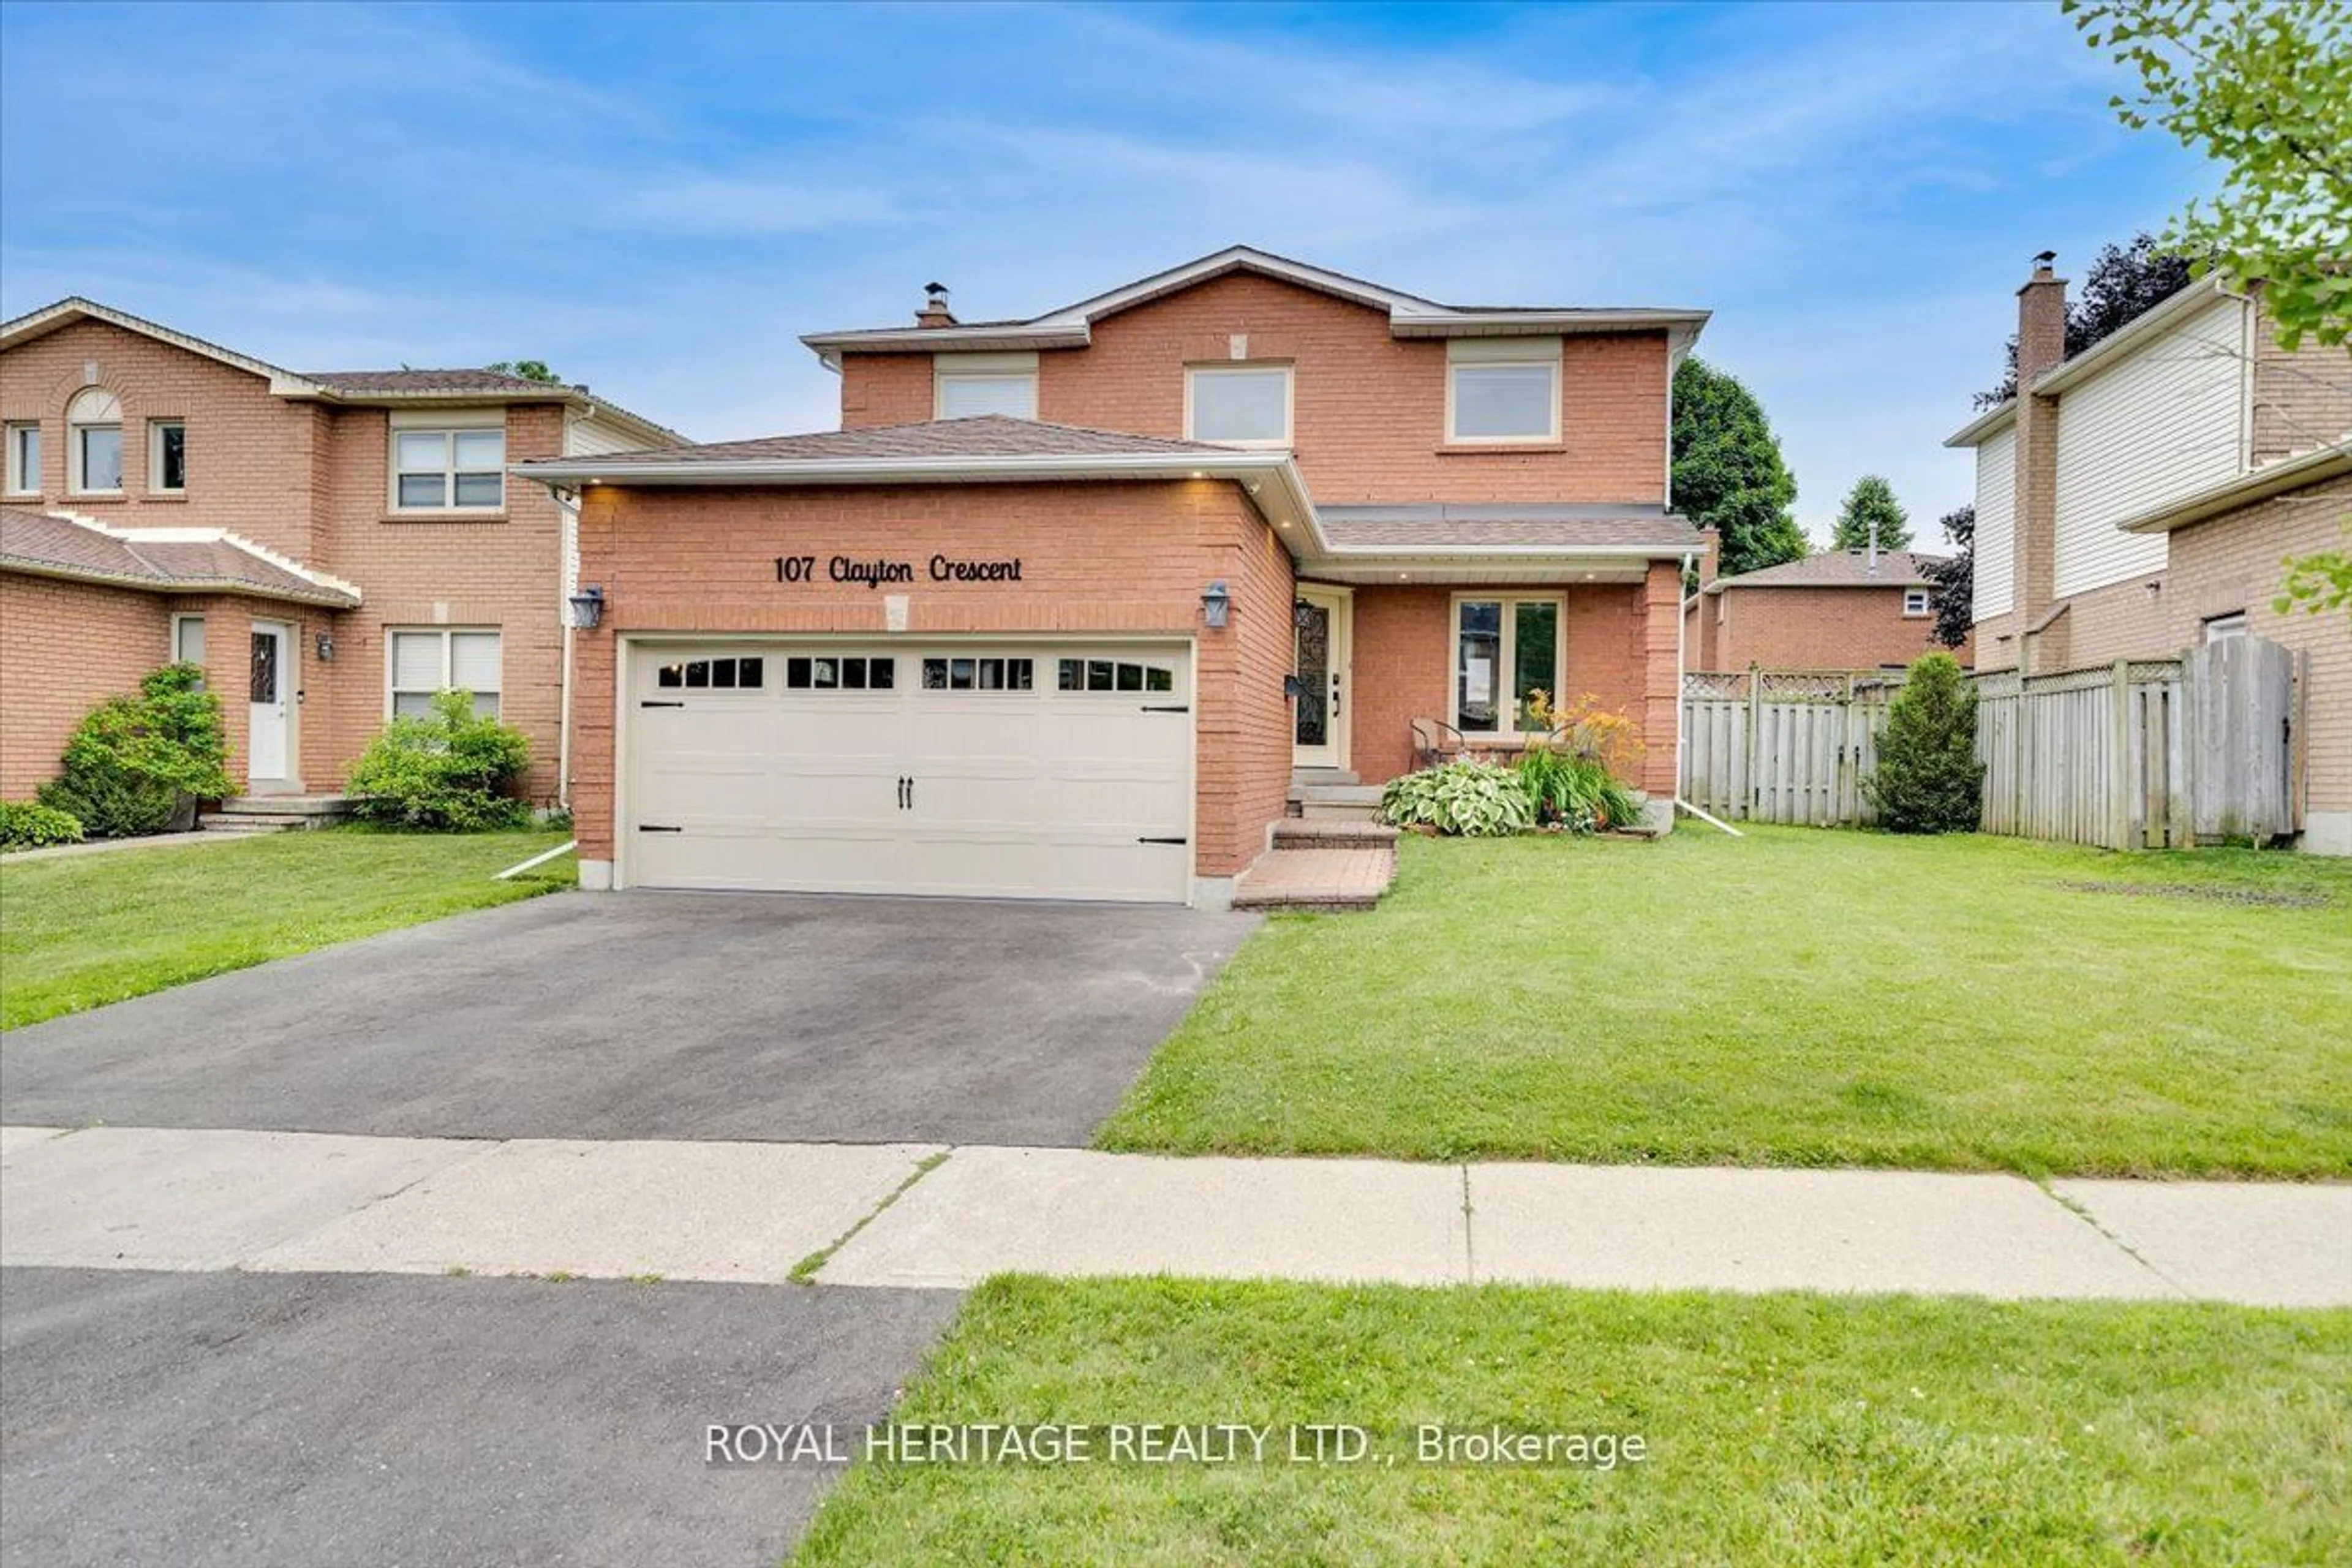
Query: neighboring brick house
332, 546
1840, 610
1067, 601
2140, 499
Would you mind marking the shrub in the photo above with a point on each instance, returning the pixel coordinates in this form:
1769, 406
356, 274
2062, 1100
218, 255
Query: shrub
136, 764
27, 824
1928, 779
1577, 792
1476, 800
447, 772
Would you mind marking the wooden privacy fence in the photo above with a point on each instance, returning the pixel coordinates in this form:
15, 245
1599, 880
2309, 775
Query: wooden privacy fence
2143, 753
1781, 745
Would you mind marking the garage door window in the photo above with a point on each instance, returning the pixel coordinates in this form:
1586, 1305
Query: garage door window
854, 674
1115, 675
979, 675
712, 675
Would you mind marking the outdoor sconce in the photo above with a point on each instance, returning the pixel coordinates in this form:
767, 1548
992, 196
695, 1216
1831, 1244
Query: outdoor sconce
1302, 614
587, 609
325, 646
1216, 605
1293, 687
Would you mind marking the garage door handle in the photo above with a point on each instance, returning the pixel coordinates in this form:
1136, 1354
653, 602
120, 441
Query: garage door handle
651, 704
1147, 839
649, 827
1167, 708
906, 794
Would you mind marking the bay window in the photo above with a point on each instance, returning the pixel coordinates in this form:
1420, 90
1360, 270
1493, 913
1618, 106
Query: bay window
1505, 649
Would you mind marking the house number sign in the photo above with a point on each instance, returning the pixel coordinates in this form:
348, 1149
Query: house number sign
875, 573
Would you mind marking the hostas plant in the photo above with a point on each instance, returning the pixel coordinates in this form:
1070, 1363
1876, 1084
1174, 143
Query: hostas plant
1473, 799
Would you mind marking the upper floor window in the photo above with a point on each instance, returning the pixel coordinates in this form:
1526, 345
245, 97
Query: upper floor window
1502, 389
442, 468
94, 442
1245, 405
1915, 602
964, 395
24, 459
167, 456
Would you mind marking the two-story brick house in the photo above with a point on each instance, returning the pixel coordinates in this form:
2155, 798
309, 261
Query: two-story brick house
331, 547
1065, 602
2141, 497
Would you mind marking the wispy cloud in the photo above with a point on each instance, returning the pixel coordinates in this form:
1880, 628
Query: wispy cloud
659, 199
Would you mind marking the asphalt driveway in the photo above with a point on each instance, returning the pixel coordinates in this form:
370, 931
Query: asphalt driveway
655, 1016
206, 1419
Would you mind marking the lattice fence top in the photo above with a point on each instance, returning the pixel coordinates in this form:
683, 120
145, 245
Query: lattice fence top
1792, 685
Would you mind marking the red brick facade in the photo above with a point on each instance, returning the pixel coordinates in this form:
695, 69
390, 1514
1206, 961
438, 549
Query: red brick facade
1114, 560
1369, 412
1810, 629
307, 480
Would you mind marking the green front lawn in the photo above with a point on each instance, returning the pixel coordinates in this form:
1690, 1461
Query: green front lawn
1796, 1429
1794, 997
84, 930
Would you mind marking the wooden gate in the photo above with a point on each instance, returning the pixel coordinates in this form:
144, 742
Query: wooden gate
1782, 746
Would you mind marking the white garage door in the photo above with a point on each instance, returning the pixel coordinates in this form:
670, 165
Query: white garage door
1018, 771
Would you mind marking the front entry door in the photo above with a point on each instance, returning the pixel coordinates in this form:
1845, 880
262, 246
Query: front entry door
1319, 736
266, 745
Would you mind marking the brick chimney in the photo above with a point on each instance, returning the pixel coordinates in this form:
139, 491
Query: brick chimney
2040, 347
1710, 561
935, 311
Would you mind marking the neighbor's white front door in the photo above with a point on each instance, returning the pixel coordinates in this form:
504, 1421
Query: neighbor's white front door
1322, 626
267, 745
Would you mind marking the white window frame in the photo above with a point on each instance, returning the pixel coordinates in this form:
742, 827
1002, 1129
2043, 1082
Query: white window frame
2226, 628
966, 369
1918, 603
76, 476
180, 623
1489, 353
1289, 373
447, 635
448, 424
1506, 670
19, 481
155, 485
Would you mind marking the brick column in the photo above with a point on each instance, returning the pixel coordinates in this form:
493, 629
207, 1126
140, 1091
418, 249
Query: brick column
2040, 346
1661, 620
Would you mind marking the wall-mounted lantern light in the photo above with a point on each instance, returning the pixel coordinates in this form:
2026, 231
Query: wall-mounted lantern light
1216, 605
325, 646
587, 609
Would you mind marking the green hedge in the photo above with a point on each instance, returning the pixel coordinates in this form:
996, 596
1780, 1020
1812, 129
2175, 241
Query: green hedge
136, 764
28, 824
448, 772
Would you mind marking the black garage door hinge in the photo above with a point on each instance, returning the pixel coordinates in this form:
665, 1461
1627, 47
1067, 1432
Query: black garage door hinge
1148, 839
1167, 708
652, 704
649, 827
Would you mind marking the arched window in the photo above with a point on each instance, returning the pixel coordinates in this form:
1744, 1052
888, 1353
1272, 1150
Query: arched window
94, 441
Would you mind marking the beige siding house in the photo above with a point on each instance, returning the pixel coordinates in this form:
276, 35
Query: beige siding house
2141, 498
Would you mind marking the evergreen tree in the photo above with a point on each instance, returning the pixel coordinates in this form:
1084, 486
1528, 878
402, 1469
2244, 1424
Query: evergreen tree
1871, 500
1729, 474
1928, 779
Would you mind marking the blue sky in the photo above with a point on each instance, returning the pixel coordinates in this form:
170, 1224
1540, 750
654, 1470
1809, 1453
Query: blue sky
659, 199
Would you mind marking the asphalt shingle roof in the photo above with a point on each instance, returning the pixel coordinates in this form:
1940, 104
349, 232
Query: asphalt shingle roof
1836, 569
39, 541
982, 435
414, 383
1436, 526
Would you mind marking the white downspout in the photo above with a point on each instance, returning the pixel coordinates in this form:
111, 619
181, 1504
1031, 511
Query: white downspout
1682, 601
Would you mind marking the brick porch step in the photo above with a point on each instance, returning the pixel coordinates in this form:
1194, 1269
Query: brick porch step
1333, 881
276, 812
1333, 833
1339, 803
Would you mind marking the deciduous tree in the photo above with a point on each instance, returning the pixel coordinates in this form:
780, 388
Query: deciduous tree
1729, 474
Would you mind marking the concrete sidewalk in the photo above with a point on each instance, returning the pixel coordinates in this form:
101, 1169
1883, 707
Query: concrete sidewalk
929, 1215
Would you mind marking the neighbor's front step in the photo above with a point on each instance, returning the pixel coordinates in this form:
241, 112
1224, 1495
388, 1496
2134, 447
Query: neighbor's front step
276, 812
